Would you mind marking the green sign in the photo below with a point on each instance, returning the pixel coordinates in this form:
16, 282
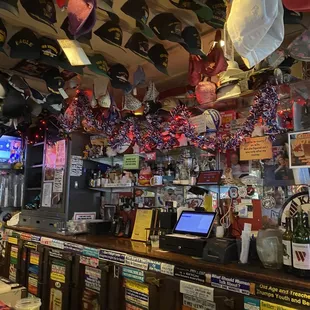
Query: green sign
131, 162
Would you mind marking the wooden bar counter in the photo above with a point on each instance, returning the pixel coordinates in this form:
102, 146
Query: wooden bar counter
270, 285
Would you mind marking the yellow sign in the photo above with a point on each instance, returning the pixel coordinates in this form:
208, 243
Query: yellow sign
34, 258
131, 162
143, 223
58, 277
264, 305
138, 287
256, 148
12, 240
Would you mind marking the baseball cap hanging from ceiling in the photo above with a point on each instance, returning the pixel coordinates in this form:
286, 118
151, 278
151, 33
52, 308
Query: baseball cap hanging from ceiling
50, 51
159, 56
192, 41
41, 10
139, 10
119, 76
24, 44
82, 16
111, 33
203, 12
167, 27
85, 38
10, 6
139, 45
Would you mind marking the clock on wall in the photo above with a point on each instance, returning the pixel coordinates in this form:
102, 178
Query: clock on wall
290, 206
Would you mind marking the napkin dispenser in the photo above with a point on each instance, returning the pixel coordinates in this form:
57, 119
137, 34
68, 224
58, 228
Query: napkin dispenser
221, 250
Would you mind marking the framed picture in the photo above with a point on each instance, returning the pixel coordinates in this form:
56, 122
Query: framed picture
277, 171
299, 149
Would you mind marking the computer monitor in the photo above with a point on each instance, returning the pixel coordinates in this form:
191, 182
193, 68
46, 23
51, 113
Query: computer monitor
195, 223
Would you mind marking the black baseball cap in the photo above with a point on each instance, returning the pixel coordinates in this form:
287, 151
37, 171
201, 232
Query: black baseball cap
202, 11
167, 27
192, 41
14, 104
139, 44
98, 65
85, 38
111, 33
119, 76
50, 51
139, 10
41, 10
159, 55
218, 8
24, 44
53, 80
3, 35
10, 5
292, 17
65, 64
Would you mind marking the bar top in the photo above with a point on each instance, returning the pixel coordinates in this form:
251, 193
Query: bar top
256, 273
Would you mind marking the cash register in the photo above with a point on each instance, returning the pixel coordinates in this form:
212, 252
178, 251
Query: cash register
190, 233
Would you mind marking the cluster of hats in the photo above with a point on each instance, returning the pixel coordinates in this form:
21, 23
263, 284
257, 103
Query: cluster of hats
232, 83
18, 100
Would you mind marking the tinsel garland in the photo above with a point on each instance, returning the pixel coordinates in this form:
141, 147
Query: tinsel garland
78, 110
149, 133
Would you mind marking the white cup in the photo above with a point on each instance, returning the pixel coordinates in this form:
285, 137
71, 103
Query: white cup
156, 180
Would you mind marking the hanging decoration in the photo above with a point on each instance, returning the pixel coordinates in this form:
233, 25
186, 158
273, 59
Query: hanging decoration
150, 132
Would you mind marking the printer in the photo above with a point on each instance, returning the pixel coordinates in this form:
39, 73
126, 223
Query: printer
190, 233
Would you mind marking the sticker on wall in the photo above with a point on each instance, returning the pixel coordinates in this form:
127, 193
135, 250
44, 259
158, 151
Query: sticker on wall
196, 290
89, 261
58, 271
34, 258
167, 269
231, 284
190, 274
198, 303
251, 303
47, 194
264, 305
12, 273
33, 284
137, 298
137, 262
133, 274
93, 279
112, 256
55, 299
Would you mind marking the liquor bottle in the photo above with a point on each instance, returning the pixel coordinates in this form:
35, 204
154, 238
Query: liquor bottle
98, 180
287, 246
301, 247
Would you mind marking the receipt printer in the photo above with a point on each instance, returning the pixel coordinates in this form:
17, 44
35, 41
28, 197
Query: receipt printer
221, 250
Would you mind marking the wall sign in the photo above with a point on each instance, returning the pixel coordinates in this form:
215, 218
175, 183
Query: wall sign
299, 151
92, 279
190, 274
137, 262
198, 303
196, 290
231, 284
131, 162
167, 269
112, 256
133, 274
282, 294
265, 305
256, 148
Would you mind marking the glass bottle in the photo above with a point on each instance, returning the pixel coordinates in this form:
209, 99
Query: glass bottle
287, 246
301, 247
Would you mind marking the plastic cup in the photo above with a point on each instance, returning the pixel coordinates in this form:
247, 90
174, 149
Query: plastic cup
28, 304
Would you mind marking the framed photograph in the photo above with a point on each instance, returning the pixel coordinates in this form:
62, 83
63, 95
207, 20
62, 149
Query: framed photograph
299, 149
277, 171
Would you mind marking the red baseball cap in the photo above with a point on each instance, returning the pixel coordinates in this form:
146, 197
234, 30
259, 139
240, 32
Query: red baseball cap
297, 5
